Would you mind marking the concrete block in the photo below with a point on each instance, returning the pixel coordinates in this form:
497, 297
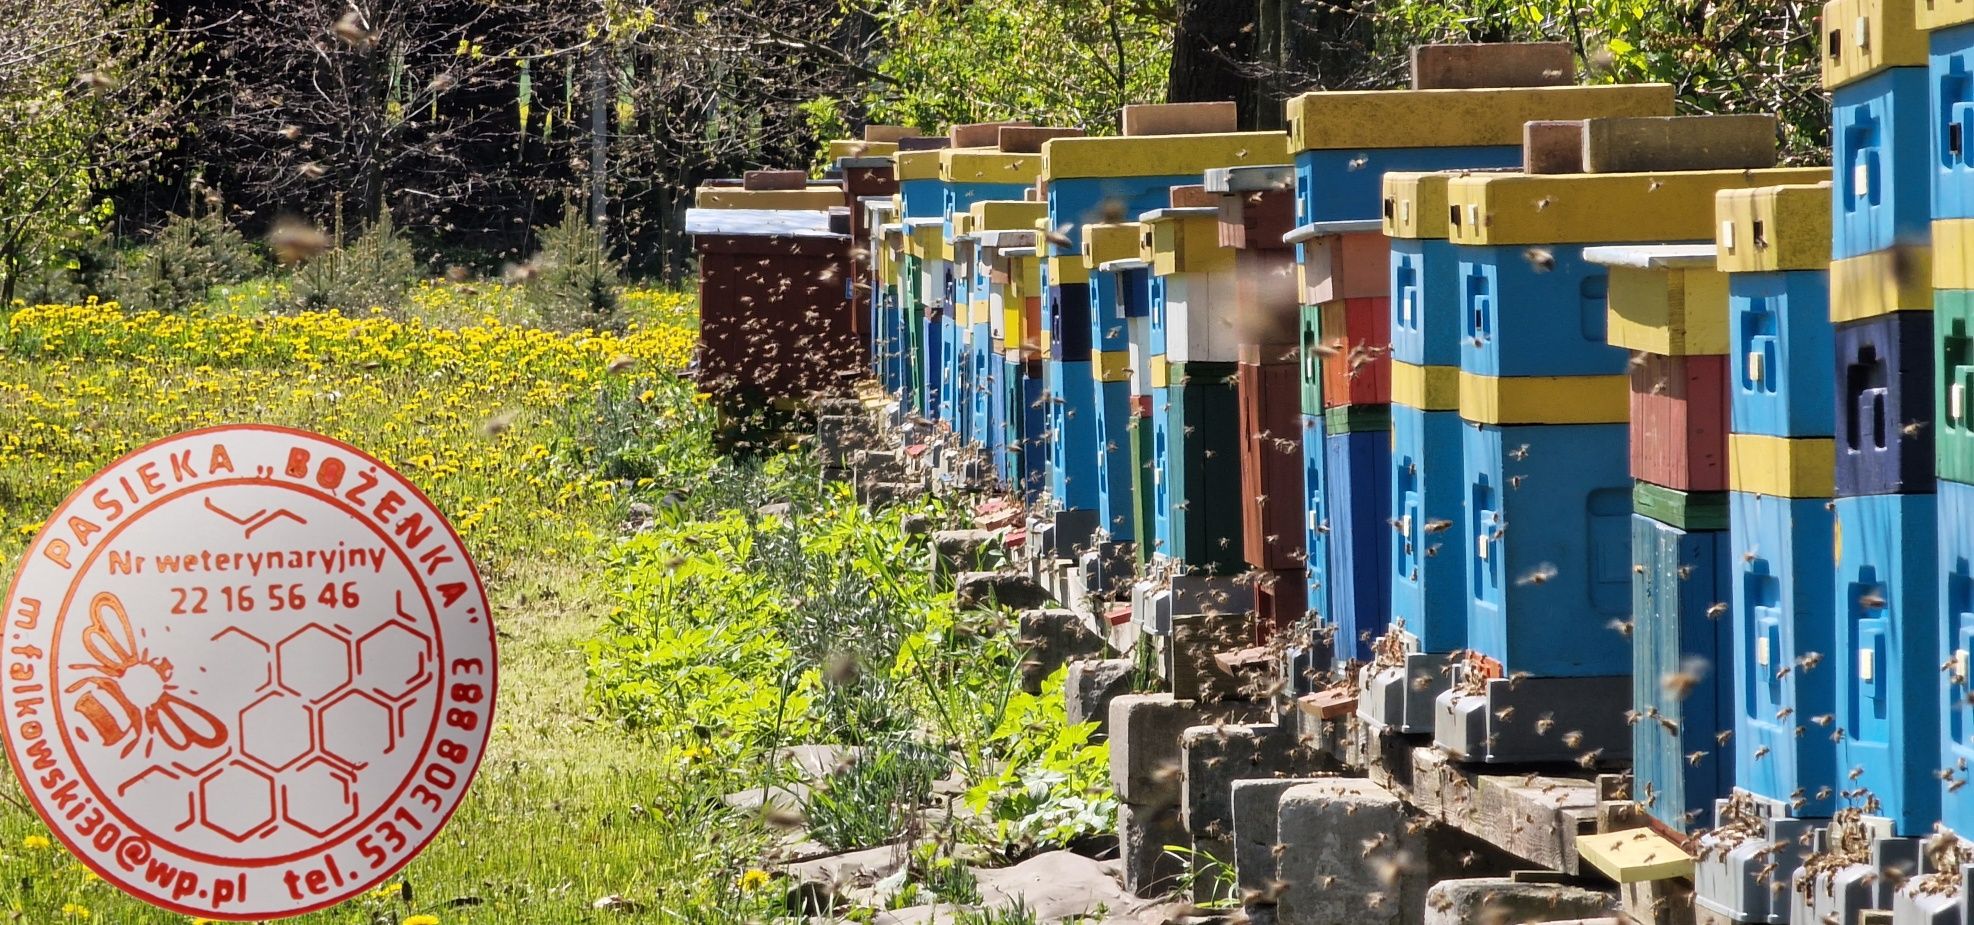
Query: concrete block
1256, 808
1144, 747
1092, 685
1196, 639
1000, 589
1216, 756
956, 551
1551, 147
1144, 835
1181, 118
1489, 900
1348, 857
1648, 143
774, 180
1028, 139
1051, 639
1493, 64
1212, 863
980, 134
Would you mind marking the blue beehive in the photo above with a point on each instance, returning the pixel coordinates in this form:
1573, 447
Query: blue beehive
1164, 442
1032, 448
1069, 321
1887, 658
1117, 503
1779, 328
1534, 312
1316, 518
1563, 493
1345, 142
1781, 609
1347, 185
1357, 467
1885, 404
1072, 435
1425, 302
1951, 66
1678, 767
1956, 519
1428, 560
1879, 137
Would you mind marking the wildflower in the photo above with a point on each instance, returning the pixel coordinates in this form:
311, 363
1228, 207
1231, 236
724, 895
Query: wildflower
75, 911
422, 918
754, 879
35, 842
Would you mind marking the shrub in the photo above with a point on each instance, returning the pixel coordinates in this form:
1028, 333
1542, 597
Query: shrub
180, 267
374, 271
572, 282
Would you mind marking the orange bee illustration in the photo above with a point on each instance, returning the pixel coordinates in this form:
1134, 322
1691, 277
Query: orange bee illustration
138, 687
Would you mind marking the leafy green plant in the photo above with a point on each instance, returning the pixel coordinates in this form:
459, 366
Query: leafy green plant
374, 271
572, 284
181, 267
1053, 786
876, 798
1016, 914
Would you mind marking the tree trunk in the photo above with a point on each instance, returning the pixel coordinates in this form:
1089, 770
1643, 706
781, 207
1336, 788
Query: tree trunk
1212, 41
599, 135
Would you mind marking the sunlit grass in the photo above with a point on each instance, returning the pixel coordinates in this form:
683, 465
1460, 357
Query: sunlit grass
496, 422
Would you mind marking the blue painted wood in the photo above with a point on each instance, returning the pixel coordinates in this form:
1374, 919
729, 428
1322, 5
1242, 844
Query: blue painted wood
984, 363
1428, 506
1348, 185
1951, 67
1117, 502
1357, 467
1887, 657
1031, 437
1678, 767
1779, 326
922, 198
1068, 321
1548, 541
1166, 431
1956, 695
929, 365
1783, 572
1159, 316
1108, 300
1881, 131
1425, 302
1134, 291
1072, 435
959, 197
1534, 312
1075, 202
1316, 518
1885, 404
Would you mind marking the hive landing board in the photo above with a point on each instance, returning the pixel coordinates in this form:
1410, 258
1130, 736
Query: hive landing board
249, 672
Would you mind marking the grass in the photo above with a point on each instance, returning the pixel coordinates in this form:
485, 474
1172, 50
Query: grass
567, 810
644, 674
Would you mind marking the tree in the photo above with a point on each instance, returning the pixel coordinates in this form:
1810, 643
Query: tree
85, 101
338, 109
1055, 62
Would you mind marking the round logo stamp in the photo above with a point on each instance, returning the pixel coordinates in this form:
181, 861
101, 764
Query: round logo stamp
248, 672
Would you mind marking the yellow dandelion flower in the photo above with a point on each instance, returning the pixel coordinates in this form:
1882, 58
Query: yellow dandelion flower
753, 879
35, 842
422, 918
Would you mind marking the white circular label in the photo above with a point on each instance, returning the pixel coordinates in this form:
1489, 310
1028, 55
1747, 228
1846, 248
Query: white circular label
249, 672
